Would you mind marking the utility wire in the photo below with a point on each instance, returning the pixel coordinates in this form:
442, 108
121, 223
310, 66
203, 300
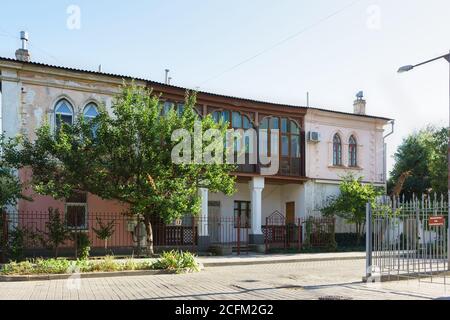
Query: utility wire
279, 43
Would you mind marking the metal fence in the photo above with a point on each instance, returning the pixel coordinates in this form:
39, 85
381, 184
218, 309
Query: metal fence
298, 234
407, 239
36, 234
28, 234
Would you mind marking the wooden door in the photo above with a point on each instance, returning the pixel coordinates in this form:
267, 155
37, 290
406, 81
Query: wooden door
290, 213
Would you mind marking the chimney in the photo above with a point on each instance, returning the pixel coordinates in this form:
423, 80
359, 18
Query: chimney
23, 54
359, 106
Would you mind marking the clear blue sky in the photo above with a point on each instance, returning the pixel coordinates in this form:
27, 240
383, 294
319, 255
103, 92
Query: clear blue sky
333, 56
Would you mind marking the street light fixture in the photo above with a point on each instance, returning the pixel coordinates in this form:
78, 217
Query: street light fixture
409, 68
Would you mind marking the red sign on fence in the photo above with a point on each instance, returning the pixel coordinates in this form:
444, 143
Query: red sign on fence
436, 221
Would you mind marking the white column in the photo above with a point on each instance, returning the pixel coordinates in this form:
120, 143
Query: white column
203, 222
256, 189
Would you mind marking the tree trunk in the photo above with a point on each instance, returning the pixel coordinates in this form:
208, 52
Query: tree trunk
149, 231
106, 246
358, 232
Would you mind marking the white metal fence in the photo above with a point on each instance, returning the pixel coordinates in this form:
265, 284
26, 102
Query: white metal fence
407, 238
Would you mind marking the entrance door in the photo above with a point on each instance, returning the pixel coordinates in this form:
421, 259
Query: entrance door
214, 221
291, 229
290, 213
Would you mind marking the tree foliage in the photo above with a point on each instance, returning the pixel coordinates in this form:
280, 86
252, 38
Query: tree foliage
352, 201
11, 188
425, 153
124, 155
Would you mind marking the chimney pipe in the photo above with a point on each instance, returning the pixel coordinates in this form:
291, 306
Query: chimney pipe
23, 54
359, 106
167, 76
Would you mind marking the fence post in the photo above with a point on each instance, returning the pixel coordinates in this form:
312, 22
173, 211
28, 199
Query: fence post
76, 236
368, 240
138, 234
299, 234
448, 232
239, 235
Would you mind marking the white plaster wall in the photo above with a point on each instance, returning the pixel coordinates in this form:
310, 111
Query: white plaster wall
11, 97
274, 198
369, 135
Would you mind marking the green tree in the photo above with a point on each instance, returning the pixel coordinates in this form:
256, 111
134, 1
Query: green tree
438, 161
352, 201
126, 156
424, 153
11, 188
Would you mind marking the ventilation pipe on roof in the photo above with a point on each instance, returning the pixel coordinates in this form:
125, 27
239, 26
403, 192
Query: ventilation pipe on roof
23, 54
359, 106
167, 76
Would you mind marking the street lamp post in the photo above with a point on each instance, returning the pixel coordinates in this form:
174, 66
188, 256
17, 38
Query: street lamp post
409, 68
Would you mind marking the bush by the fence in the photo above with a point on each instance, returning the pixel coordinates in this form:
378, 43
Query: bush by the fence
344, 240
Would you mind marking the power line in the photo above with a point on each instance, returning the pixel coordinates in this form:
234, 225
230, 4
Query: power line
279, 43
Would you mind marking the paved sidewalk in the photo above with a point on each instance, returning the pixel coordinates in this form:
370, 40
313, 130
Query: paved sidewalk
280, 281
255, 259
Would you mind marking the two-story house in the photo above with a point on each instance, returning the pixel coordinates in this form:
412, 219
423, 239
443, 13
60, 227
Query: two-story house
316, 146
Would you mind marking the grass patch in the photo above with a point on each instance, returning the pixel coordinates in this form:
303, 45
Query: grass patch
173, 261
177, 261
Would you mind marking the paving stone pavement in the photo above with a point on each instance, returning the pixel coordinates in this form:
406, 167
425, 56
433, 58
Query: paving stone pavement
284, 281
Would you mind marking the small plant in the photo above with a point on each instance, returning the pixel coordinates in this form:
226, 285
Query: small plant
83, 245
105, 231
17, 244
177, 261
107, 265
56, 233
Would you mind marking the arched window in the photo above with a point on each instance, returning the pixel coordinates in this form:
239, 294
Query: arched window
352, 152
90, 111
63, 114
337, 150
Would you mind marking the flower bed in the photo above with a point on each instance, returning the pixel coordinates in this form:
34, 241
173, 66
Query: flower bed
174, 261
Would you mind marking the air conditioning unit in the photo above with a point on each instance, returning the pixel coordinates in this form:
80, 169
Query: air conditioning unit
314, 137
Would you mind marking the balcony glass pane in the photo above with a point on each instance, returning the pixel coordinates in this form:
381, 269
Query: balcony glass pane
237, 120
295, 146
285, 146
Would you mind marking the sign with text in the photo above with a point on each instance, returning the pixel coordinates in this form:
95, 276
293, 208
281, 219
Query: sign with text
436, 221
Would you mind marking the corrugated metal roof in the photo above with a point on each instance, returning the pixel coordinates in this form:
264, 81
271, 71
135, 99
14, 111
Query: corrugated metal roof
184, 89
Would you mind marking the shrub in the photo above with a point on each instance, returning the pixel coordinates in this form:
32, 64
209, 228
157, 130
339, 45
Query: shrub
105, 231
83, 245
17, 244
52, 266
57, 232
177, 261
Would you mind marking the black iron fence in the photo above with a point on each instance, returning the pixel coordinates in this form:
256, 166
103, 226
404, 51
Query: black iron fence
298, 234
29, 234
52, 233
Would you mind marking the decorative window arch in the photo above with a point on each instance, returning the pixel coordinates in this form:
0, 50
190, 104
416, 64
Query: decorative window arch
90, 111
63, 113
337, 150
352, 152
236, 119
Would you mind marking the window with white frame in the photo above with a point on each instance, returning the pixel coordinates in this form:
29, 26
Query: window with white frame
352, 152
63, 114
337, 150
90, 111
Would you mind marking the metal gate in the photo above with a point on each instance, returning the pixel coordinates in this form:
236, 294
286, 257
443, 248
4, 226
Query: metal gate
407, 239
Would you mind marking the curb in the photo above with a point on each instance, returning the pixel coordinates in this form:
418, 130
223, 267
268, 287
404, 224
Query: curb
268, 262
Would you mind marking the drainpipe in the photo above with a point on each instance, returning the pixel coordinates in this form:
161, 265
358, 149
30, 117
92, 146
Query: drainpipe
392, 122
